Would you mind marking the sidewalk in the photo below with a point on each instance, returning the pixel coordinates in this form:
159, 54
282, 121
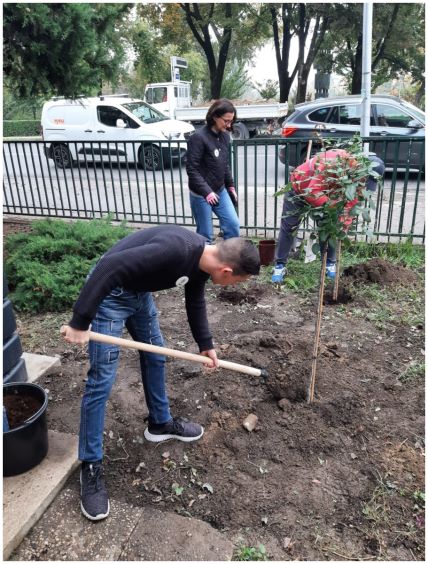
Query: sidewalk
129, 533
42, 518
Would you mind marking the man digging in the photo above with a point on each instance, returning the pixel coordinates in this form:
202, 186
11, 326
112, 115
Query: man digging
118, 294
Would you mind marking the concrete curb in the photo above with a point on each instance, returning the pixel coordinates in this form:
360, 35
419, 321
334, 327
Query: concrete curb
26, 497
39, 365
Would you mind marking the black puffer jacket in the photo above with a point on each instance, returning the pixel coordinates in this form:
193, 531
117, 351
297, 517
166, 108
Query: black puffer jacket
208, 161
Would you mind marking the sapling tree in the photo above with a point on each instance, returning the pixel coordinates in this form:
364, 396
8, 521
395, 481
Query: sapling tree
332, 192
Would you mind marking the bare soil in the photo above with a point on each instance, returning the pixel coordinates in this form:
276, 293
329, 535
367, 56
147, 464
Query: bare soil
337, 479
19, 408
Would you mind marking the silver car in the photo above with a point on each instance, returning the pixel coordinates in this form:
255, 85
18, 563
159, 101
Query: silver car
340, 117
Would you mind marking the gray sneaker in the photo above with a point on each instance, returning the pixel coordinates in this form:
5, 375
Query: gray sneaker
94, 503
178, 428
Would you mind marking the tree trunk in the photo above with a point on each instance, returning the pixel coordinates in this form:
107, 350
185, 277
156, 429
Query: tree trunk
284, 87
282, 50
201, 32
320, 28
356, 77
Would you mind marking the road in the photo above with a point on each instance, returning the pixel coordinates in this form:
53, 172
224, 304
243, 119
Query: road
35, 186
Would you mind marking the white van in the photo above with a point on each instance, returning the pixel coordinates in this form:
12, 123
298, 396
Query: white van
94, 129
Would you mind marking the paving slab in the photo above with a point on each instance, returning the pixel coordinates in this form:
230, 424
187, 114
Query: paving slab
38, 365
163, 536
26, 496
129, 533
63, 533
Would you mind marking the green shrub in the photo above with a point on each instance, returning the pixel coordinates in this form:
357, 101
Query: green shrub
21, 128
47, 267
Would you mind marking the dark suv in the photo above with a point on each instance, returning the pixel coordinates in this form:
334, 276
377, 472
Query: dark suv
340, 117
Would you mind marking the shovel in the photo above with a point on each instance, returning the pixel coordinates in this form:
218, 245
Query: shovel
127, 343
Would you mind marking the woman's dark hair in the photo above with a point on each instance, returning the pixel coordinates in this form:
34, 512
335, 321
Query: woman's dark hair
218, 109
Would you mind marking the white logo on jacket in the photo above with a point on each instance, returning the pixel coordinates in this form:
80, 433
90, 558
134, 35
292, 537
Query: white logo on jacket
182, 281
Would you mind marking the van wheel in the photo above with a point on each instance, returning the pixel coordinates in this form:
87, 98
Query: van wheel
61, 156
150, 157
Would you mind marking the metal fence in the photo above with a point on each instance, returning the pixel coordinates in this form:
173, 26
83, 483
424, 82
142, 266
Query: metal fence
82, 180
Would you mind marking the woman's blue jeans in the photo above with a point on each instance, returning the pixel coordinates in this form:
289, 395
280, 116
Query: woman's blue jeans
224, 210
136, 311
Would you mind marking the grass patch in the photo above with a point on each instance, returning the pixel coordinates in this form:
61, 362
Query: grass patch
415, 371
384, 501
247, 553
396, 305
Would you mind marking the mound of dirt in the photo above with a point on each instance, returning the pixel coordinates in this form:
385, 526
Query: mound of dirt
381, 272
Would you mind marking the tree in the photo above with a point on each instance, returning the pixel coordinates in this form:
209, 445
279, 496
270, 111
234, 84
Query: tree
63, 49
222, 36
235, 80
397, 44
224, 31
267, 90
151, 63
301, 21
314, 20
199, 18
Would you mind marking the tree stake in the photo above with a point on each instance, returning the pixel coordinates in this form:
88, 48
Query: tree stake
336, 279
318, 327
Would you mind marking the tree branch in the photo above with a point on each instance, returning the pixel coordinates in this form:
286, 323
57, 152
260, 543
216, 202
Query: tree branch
384, 40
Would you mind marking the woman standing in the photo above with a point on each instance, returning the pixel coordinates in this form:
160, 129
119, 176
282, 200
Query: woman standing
210, 180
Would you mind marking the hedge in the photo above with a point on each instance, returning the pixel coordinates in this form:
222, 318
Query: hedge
21, 128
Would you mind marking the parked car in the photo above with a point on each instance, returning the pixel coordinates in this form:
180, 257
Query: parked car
340, 117
104, 122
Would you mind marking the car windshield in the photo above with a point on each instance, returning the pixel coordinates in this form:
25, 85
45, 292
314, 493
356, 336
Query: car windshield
418, 113
144, 112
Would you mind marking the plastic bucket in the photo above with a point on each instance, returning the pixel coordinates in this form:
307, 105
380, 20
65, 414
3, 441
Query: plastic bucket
267, 251
24, 445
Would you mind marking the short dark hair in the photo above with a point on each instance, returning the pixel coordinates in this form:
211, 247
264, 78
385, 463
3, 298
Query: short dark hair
240, 254
218, 109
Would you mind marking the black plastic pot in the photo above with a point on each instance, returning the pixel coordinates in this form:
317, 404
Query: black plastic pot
26, 446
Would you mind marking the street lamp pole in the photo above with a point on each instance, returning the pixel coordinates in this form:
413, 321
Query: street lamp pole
366, 81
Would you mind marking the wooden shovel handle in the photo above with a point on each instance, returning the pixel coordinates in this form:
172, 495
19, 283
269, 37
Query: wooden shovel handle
127, 343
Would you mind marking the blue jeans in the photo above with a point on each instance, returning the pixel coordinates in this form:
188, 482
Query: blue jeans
136, 311
224, 210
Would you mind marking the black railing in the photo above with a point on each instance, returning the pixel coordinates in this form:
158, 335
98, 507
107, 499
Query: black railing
146, 182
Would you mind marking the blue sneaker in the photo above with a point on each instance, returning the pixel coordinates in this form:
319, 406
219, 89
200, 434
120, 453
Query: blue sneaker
278, 274
330, 270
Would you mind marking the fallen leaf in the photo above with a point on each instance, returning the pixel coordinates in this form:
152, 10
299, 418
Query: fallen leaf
316, 481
